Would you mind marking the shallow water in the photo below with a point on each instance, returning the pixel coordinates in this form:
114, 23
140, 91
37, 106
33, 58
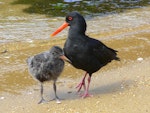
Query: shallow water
21, 34
16, 25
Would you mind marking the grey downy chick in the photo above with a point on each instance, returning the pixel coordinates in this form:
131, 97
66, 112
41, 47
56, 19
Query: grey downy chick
47, 66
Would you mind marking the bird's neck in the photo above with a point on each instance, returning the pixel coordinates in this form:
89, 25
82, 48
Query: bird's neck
74, 31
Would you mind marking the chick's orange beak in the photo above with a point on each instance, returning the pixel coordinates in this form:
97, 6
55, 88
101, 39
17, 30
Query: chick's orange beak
63, 57
63, 26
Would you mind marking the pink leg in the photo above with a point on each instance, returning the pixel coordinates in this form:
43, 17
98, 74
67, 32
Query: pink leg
82, 83
86, 93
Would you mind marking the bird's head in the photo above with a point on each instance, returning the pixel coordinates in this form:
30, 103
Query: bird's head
76, 22
57, 52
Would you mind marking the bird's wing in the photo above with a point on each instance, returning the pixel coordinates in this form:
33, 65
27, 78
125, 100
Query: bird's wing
38, 60
103, 53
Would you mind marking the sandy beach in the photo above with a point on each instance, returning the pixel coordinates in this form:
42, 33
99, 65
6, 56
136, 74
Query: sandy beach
121, 90
119, 87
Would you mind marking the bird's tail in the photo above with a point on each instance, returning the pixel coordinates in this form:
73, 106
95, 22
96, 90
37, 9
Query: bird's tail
115, 54
117, 58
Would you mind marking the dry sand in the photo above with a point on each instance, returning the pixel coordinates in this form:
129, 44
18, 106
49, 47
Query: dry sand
122, 90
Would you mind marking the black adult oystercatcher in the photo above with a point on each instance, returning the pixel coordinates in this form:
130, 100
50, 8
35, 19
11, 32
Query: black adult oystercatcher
47, 66
84, 52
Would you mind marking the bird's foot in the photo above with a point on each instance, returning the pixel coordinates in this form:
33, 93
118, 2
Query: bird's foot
42, 101
79, 86
86, 95
57, 100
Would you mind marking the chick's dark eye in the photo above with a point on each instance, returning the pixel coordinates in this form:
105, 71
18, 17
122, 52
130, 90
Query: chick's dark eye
70, 18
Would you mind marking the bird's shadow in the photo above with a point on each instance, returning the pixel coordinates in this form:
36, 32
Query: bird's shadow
112, 88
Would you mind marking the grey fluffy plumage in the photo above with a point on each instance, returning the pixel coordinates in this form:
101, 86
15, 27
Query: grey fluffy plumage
46, 66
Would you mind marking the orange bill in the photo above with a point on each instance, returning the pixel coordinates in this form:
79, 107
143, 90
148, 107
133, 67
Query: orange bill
63, 57
63, 26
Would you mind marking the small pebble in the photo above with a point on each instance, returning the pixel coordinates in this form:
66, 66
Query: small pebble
97, 102
69, 91
5, 51
58, 102
7, 57
133, 95
139, 59
29, 93
122, 87
30, 41
2, 98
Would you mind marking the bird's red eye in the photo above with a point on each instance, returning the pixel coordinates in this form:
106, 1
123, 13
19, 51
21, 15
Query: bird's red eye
70, 18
